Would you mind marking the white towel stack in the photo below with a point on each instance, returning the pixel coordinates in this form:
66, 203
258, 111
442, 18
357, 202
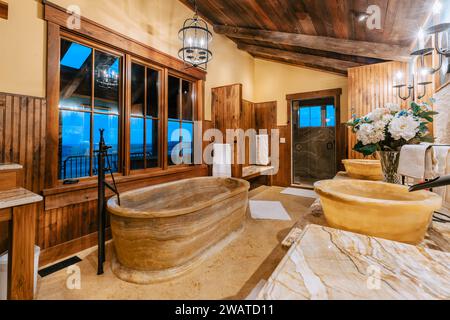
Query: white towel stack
262, 150
222, 160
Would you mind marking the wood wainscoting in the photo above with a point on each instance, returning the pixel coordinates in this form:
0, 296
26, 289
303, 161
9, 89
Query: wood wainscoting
370, 87
22, 136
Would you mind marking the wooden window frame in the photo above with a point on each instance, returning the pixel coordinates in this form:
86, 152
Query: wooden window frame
161, 114
195, 116
98, 47
109, 41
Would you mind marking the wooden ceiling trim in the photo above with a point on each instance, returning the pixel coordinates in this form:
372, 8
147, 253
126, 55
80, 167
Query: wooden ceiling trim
300, 58
343, 46
3, 10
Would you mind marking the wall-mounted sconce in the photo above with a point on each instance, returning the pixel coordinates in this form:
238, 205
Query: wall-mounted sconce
409, 87
439, 31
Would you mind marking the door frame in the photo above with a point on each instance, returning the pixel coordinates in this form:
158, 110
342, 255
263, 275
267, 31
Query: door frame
340, 128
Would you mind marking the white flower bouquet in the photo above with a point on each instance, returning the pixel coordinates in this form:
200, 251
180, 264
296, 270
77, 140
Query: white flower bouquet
390, 128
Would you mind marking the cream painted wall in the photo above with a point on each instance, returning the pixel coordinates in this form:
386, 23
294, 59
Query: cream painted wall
273, 81
22, 49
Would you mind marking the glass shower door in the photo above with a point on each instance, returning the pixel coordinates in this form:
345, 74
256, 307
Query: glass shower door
314, 141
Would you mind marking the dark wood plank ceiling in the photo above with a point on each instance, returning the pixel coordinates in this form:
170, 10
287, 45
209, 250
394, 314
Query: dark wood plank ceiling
286, 30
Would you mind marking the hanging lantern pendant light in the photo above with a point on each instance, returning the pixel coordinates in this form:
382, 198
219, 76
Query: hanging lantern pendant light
196, 38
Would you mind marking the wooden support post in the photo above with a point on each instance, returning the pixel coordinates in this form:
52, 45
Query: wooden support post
21, 252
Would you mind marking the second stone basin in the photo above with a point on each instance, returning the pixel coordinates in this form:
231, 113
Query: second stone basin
378, 209
364, 169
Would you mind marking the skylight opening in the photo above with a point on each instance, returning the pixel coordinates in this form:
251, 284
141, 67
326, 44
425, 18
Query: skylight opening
76, 56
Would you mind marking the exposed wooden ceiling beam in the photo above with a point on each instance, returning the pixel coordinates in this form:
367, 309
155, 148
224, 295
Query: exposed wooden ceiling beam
343, 46
3, 10
300, 58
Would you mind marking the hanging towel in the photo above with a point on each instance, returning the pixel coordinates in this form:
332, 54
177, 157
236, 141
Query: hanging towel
441, 154
416, 161
442, 168
222, 160
262, 150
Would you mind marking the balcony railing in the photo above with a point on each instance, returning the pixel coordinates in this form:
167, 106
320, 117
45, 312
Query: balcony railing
79, 166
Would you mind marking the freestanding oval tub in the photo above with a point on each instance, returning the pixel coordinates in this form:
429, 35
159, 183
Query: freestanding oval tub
162, 231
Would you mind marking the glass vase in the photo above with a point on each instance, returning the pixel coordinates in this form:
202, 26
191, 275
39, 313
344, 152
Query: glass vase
389, 162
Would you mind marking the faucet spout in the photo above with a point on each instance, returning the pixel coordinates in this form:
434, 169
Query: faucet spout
436, 183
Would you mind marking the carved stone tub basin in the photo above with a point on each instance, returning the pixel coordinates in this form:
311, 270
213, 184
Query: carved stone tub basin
162, 231
378, 209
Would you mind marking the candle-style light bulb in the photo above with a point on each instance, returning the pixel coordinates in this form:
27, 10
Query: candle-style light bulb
421, 36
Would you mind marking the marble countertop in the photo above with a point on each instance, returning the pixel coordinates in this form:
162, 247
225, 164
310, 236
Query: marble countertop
251, 170
10, 166
18, 197
330, 264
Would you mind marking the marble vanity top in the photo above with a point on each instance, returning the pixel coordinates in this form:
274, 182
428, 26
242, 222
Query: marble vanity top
10, 166
18, 197
330, 264
251, 170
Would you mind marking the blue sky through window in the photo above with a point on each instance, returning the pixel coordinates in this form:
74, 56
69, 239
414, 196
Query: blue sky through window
331, 116
310, 117
76, 56
115, 67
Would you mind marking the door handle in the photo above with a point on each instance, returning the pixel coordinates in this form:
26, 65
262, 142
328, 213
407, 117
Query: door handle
330, 145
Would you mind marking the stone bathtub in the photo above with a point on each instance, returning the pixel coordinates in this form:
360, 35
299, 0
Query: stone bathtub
162, 231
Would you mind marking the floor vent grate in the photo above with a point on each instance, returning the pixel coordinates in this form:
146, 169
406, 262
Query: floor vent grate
59, 266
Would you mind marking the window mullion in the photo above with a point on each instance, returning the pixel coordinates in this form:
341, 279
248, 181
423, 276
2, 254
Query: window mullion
144, 112
91, 151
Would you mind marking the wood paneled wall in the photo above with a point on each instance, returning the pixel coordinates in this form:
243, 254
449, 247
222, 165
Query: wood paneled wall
370, 87
230, 111
22, 140
22, 136
283, 177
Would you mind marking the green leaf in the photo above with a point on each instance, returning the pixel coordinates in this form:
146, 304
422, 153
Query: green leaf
428, 138
366, 150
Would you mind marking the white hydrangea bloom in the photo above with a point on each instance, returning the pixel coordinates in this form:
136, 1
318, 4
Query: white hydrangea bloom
370, 133
377, 114
405, 127
393, 107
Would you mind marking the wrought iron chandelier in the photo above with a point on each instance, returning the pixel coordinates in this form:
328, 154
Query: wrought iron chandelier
196, 38
107, 78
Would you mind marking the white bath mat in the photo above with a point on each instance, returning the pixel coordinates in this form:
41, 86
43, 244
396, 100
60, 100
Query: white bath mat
300, 193
268, 210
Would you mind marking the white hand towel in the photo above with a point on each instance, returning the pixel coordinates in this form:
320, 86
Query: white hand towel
442, 168
222, 160
441, 154
262, 150
416, 161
